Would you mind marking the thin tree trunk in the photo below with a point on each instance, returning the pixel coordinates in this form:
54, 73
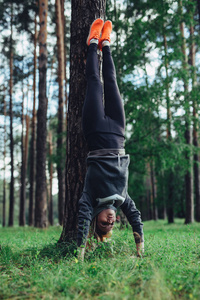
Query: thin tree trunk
4, 164
170, 202
41, 192
148, 194
60, 144
26, 156
167, 89
33, 136
153, 191
151, 196
85, 12
65, 60
163, 211
12, 199
169, 175
189, 175
50, 180
189, 217
22, 188
195, 120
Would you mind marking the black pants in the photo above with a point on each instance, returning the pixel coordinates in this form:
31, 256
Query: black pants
103, 124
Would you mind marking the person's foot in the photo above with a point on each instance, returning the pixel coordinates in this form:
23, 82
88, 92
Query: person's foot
105, 36
95, 31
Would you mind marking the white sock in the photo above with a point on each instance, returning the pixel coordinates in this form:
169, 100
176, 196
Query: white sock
105, 43
94, 41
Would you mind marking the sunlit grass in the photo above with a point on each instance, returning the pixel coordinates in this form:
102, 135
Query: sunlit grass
33, 266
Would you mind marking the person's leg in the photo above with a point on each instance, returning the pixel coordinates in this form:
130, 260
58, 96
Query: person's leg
93, 110
113, 103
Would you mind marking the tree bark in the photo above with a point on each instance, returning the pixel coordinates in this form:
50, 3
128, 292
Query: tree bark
50, 180
33, 137
12, 199
4, 164
83, 14
62, 4
60, 143
189, 174
41, 193
22, 188
170, 202
26, 144
153, 191
148, 194
195, 119
169, 175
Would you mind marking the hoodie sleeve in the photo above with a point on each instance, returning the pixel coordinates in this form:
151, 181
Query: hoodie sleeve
84, 219
134, 217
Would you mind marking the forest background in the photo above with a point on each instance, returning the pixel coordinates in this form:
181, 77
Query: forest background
155, 46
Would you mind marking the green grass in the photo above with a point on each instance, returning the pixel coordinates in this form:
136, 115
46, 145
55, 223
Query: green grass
33, 266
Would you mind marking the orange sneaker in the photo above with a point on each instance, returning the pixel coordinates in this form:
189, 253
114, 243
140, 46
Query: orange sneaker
106, 31
95, 30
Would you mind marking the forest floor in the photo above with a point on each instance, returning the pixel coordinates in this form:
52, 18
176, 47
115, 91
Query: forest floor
33, 266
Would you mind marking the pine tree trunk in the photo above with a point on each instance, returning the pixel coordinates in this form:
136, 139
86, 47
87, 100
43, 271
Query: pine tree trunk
189, 174
12, 201
65, 63
26, 150
170, 202
153, 191
189, 208
148, 194
60, 144
22, 189
4, 165
163, 211
167, 90
169, 175
83, 14
33, 137
195, 120
50, 180
41, 193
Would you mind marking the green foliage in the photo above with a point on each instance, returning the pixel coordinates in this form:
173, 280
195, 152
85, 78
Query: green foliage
33, 266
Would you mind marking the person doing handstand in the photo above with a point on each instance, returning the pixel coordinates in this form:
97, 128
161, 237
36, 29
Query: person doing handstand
106, 181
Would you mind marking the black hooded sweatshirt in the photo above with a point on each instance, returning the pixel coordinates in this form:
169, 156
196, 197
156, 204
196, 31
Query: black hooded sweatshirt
106, 187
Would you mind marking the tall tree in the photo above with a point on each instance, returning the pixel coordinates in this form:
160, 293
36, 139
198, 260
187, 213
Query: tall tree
194, 96
65, 57
153, 190
33, 134
61, 77
12, 199
189, 173
169, 173
41, 193
50, 196
22, 188
4, 162
85, 12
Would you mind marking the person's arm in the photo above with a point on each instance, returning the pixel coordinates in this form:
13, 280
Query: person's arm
134, 218
84, 220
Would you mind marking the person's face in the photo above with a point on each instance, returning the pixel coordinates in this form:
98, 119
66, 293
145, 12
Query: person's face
106, 220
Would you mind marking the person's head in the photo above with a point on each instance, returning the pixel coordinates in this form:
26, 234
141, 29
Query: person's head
105, 221
102, 224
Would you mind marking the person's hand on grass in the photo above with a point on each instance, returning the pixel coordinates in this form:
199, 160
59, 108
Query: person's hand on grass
80, 253
140, 249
